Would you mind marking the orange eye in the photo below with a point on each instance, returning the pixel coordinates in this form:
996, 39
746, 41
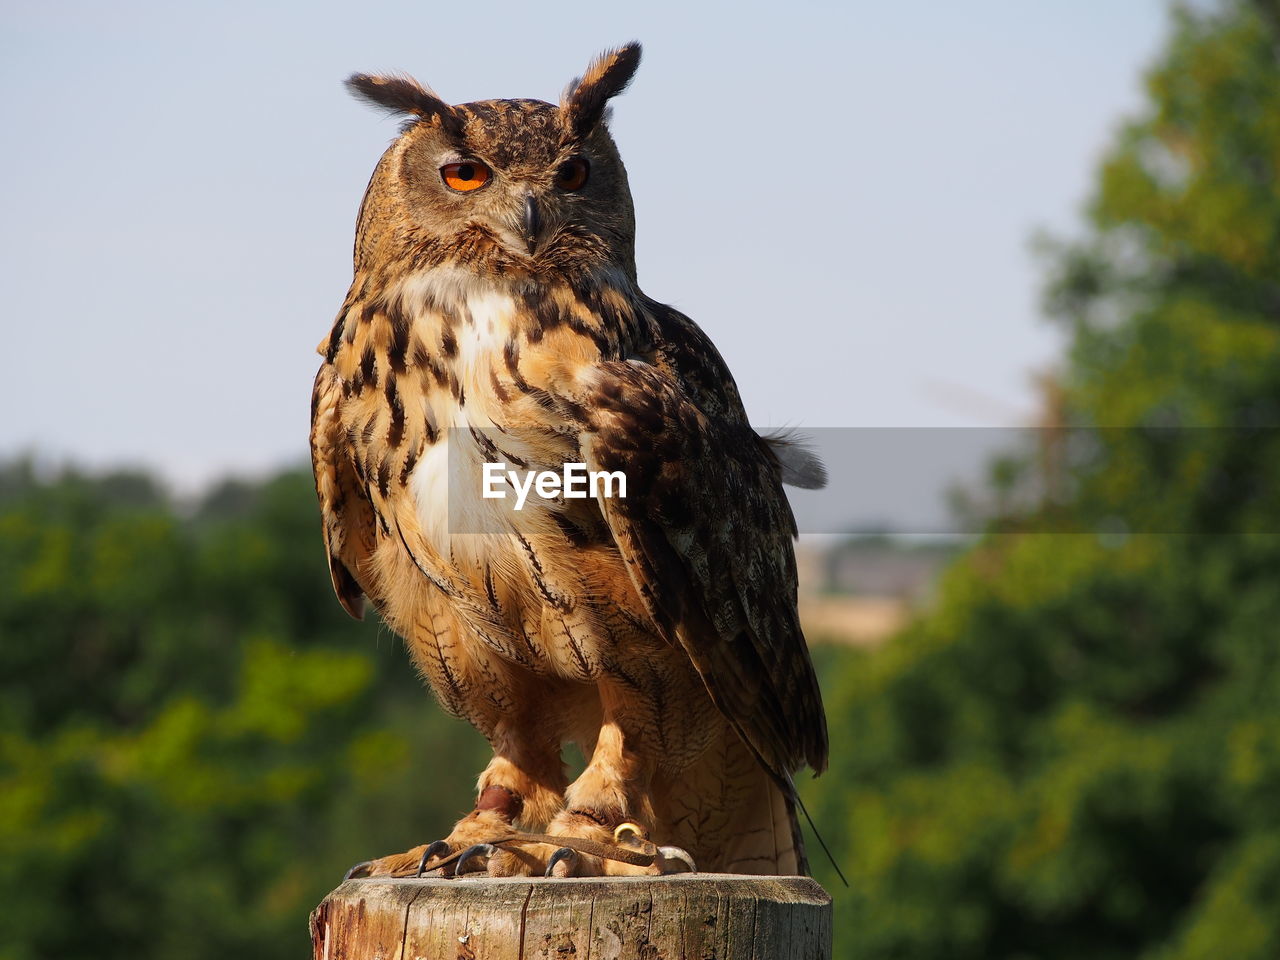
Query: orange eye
572, 174
465, 176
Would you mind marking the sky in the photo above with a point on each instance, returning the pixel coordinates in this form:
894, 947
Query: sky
842, 195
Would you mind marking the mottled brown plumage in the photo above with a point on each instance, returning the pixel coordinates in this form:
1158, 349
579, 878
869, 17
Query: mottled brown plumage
496, 316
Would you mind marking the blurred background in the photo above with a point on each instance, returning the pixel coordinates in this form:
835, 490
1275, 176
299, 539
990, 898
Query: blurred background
1057, 730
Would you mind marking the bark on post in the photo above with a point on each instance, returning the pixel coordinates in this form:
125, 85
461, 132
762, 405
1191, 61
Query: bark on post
695, 916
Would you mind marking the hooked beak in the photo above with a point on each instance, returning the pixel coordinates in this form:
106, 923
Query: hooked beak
532, 224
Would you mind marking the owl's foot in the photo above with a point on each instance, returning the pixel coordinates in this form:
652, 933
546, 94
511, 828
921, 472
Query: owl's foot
577, 844
439, 859
396, 865
592, 850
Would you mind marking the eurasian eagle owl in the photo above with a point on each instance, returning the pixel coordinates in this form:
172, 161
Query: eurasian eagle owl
494, 317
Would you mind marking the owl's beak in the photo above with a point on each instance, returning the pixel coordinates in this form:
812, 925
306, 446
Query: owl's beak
532, 223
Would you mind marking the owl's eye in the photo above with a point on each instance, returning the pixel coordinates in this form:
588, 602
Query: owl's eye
466, 176
572, 174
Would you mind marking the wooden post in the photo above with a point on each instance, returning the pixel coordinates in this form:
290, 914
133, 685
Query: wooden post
694, 916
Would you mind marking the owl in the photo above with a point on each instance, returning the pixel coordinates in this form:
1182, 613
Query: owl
495, 318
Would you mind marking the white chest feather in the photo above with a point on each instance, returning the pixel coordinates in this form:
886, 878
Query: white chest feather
484, 334
447, 481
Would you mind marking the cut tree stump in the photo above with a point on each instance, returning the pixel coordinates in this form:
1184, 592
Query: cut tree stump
696, 916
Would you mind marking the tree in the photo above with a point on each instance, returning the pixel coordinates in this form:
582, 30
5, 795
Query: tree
195, 741
1077, 753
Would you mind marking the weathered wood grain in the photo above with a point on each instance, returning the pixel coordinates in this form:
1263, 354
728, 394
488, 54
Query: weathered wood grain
694, 916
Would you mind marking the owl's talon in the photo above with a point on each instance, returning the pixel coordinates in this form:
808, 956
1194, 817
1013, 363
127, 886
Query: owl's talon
563, 855
485, 850
675, 855
437, 849
361, 869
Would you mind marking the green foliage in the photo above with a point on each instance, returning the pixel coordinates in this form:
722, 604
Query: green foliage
195, 743
1077, 753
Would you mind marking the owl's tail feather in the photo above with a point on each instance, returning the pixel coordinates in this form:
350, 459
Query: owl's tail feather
788, 838
764, 836
734, 815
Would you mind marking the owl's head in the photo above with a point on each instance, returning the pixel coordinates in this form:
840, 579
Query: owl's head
512, 187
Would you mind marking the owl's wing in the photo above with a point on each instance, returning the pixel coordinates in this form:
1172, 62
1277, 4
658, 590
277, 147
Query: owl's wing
706, 533
345, 509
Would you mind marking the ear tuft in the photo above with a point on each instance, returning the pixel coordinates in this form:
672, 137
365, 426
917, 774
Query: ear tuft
585, 98
401, 94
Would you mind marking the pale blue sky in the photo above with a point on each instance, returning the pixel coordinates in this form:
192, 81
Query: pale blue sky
180, 184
